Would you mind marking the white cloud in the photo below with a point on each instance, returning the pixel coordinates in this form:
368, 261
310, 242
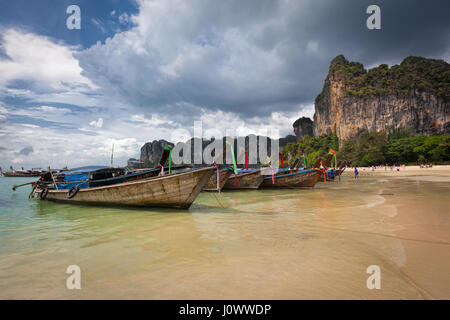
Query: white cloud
47, 67
99, 24
97, 124
312, 47
48, 113
124, 18
17, 160
207, 56
40, 60
70, 148
154, 121
50, 109
29, 125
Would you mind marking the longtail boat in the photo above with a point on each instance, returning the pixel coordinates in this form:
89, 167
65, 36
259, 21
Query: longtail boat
342, 168
324, 166
88, 178
245, 179
295, 179
333, 173
21, 173
218, 179
177, 190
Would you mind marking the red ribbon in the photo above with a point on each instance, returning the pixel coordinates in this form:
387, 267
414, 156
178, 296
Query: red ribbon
281, 159
235, 180
246, 161
273, 175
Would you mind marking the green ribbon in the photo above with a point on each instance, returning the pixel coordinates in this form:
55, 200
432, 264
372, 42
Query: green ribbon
304, 161
234, 159
170, 157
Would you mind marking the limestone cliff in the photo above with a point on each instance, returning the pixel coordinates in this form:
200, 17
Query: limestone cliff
413, 95
152, 151
303, 127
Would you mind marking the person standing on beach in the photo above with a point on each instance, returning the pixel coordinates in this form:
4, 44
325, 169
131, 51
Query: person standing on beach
356, 172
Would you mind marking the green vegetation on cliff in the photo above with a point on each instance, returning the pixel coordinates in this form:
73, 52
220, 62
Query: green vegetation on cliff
414, 73
375, 148
311, 148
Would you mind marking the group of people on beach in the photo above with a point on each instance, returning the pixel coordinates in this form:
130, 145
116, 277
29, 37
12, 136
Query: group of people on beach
397, 167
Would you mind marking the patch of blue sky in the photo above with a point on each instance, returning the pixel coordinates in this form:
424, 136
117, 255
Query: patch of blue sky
24, 119
48, 18
208, 40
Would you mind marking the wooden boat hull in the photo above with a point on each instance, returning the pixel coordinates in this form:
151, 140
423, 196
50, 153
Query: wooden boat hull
177, 190
20, 175
212, 184
246, 180
341, 171
299, 179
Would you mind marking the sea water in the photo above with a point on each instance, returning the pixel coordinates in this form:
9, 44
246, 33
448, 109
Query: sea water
257, 244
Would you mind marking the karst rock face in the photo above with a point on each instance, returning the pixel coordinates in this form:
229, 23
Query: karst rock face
414, 95
303, 127
152, 151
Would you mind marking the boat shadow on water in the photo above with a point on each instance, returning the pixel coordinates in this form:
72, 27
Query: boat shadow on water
53, 207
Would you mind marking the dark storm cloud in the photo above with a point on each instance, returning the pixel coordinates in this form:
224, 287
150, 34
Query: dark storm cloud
254, 57
26, 151
408, 28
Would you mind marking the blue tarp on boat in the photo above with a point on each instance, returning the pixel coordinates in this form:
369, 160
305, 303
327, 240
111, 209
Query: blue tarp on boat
78, 174
63, 186
75, 177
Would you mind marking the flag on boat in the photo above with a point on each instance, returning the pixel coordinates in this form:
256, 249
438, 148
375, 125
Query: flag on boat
333, 152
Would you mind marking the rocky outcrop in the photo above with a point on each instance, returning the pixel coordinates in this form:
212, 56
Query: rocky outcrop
152, 151
414, 95
303, 127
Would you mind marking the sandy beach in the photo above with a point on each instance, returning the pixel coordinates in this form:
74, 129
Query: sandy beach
435, 173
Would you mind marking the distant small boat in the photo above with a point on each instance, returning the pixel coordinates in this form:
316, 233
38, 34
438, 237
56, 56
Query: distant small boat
218, 179
177, 190
296, 179
245, 179
21, 173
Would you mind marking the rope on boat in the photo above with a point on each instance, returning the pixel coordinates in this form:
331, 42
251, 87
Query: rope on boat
215, 196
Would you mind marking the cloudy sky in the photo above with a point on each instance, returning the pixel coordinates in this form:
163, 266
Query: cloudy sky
137, 70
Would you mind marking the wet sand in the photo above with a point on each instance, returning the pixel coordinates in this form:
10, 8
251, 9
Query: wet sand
263, 244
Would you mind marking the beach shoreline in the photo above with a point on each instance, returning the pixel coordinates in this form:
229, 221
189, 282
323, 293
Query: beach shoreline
401, 171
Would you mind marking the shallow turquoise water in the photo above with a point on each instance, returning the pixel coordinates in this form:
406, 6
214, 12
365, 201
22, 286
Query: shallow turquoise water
314, 243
